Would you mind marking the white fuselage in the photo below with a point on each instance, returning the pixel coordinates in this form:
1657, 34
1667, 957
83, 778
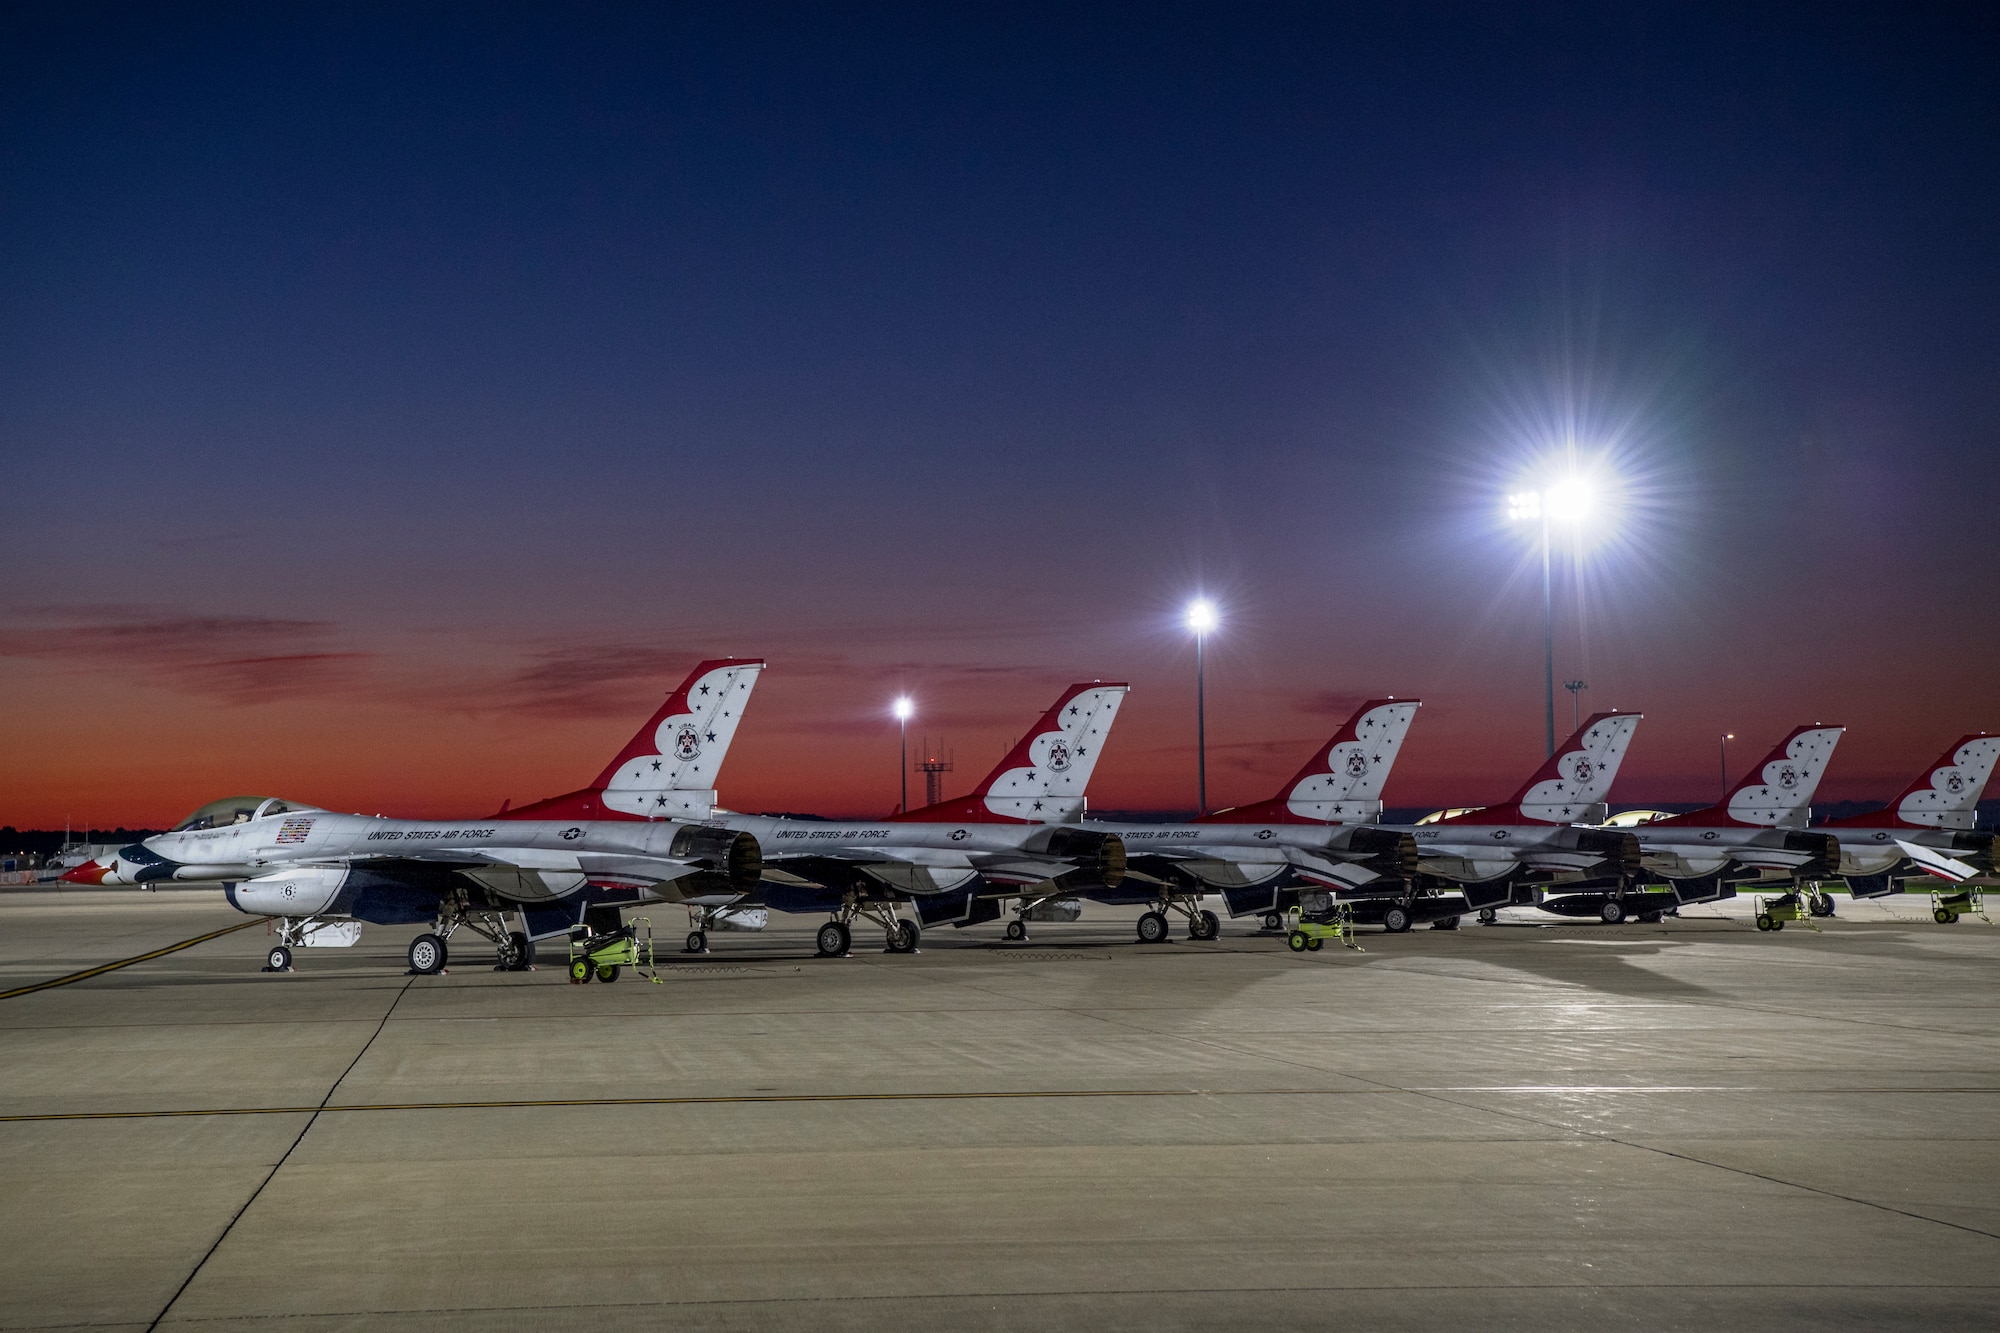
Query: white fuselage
530, 860
937, 857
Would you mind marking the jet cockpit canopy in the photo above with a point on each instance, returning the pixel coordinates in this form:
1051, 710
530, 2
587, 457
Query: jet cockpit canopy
237, 810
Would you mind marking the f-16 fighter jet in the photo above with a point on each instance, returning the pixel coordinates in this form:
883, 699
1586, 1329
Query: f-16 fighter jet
1547, 830
1757, 833
630, 837
1927, 829
1319, 829
951, 861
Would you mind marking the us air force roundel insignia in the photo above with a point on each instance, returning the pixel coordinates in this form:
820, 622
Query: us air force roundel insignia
687, 745
959, 835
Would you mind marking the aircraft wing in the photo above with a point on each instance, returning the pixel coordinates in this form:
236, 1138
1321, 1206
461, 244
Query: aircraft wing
1937, 863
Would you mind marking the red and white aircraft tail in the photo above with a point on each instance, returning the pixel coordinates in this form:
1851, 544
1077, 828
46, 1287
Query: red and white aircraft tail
1944, 796
667, 770
1041, 781
1566, 787
1342, 783
1778, 792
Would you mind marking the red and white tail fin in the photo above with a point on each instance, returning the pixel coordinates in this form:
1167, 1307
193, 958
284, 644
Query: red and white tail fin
667, 770
1778, 792
1570, 783
1342, 783
1041, 781
1945, 795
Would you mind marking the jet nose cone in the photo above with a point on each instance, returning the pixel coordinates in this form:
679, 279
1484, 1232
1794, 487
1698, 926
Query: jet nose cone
88, 873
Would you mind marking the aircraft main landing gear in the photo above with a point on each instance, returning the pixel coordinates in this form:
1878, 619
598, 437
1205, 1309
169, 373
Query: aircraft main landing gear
836, 937
279, 959
1153, 928
428, 955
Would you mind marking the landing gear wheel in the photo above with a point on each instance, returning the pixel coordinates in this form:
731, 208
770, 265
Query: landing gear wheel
1272, 921
427, 955
1612, 912
1488, 915
1942, 917
903, 939
517, 954
279, 959
608, 973
1017, 929
1396, 919
1204, 926
579, 972
1821, 904
1445, 923
1314, 943
833, 939
697, 941
1153, 928
1298, 941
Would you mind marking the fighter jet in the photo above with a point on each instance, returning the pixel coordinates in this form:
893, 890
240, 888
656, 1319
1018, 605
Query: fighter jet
1928, 828
951, 862
630, 837
1756, 833
1318, 829
1547, 831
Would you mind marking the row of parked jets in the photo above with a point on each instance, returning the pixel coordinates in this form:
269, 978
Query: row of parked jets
650, 830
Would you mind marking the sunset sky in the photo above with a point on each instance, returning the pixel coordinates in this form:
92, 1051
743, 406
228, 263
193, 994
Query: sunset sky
394, 407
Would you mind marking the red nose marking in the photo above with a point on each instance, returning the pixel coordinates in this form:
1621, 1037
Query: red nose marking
88, 873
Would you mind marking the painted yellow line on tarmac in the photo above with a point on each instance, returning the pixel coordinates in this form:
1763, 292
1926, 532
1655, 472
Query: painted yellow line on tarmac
100, 970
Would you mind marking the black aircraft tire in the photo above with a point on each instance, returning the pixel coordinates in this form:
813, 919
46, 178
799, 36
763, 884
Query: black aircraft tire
910, 935
833, 939
520, 955
1396, 919
1488, 915
1153, 928
1204, 926
279, 959
697, 942
427, 955
1017, 930
1272, 921
1612, 912
1445, 923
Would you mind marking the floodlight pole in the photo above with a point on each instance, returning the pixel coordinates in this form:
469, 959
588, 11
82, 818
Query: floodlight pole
903, 726
1548, 637
1200, 730
1727, 736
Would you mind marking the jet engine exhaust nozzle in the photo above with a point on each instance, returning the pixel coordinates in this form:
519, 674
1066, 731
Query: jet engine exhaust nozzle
1099, 856
737, 855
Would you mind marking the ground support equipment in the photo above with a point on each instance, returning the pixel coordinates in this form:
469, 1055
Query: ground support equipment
605, 956
1948, 907
1309, 933
1773, 913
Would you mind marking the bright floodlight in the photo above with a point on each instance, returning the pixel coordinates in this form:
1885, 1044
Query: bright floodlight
1524, 505
1570, 500
902, 708
1201, 616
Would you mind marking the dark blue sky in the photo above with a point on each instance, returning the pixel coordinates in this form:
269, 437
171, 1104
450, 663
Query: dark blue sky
398, 377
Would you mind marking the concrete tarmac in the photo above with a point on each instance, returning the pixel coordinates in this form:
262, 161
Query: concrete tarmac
1536, 1125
